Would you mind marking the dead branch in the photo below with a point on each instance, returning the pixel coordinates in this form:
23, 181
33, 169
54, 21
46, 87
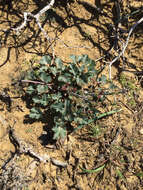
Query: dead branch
26, 14
124, 46
21, 147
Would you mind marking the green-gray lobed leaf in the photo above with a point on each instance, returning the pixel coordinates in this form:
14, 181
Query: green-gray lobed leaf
30, 75
69, 77
36, 99
85, 59
73, 57
59, 132
59, 64
43, 69
45, 78
30, 89
59, 107
56, 96
79, 58
85, 77
42, 88
91, 66
43, 100
45, 60
35, 113
79, 81
54, 70
62, 78
82, 68
81, 121
67, 109
74, 70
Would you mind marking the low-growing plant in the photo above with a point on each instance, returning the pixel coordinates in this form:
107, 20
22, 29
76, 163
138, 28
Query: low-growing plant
68, 91
120, 174
127, 82
130, 85
96, 130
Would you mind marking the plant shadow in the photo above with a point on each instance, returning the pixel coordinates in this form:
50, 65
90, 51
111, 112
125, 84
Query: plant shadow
102, 16
32, 35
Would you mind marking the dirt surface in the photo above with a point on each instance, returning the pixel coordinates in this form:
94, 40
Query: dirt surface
80, 27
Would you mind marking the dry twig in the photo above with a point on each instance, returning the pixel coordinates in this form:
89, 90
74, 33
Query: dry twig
37, 16
21, 147
124, 45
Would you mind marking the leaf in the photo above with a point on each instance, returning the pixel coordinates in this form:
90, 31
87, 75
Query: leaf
69, 75
41, 100
68, 115
30, 89
43, 69
59, 107
81, 121
45, 60
79, 58
73, 57
79, 81
82, 68
102, 79
62, 78
91, 66
56, 96
93, 171
45, 100
30, 75
59, 132
67, 106
139, 174
42, 88
106, 114
119, 173
35, 113
85, 59
45, 78
36, 99
73, 69
59, 64
54, 70
85, 77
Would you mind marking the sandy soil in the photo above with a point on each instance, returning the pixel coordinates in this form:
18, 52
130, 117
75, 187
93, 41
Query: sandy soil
80, 29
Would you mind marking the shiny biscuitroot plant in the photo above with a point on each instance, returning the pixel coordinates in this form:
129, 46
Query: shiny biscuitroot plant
66, 91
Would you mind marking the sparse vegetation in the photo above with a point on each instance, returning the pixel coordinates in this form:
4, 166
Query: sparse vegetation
61, 124
69, 92
132, 88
